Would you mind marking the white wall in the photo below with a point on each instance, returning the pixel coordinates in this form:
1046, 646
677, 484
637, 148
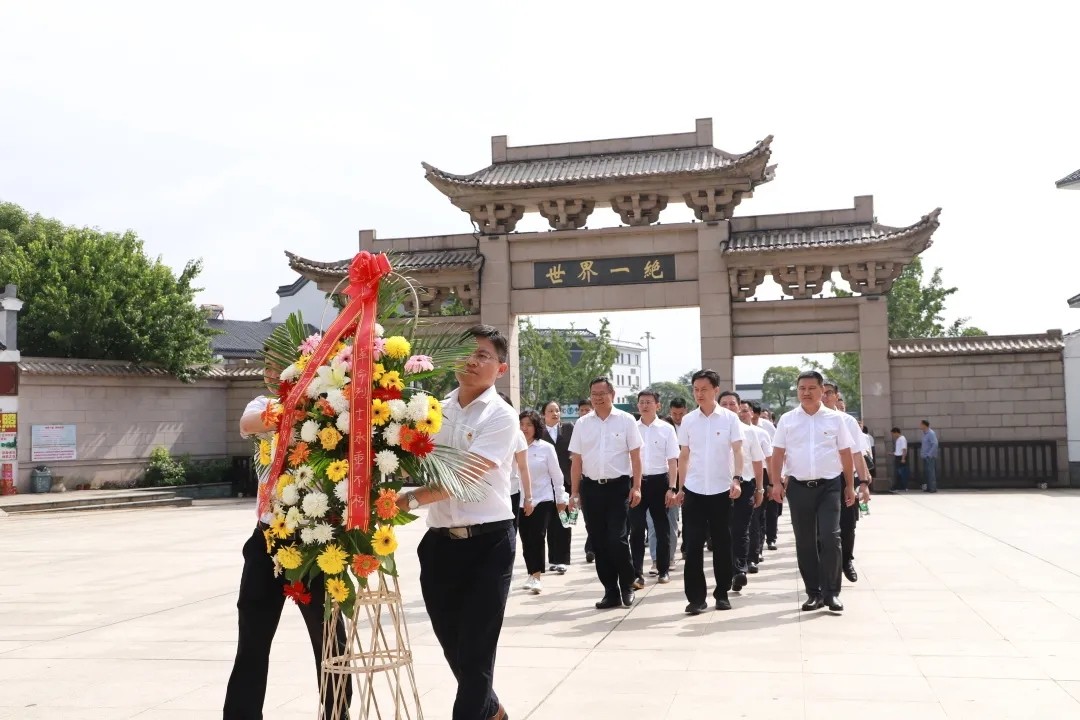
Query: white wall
1072, 394
311, 302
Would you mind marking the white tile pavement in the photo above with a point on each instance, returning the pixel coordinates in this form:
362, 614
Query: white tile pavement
967, 606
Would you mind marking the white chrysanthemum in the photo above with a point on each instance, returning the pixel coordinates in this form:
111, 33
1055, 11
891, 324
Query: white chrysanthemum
341, 491
277, 567
379, 330
303, 476
307, 535
290, 495
290, 373
398, 410
342, 423
315, 389
337, 400
323, 533
293, 518
309, 431
316, 504
392, 434
418, 407
278, 508
387, 460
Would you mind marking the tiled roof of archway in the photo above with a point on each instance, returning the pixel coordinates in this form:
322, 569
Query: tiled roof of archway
413, 261
824, 236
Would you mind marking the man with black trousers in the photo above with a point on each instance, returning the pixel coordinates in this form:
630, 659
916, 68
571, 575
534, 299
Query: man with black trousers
751, 493
467, 554
816, 446
659, 483
757, 516
262, 597
849, 514
558, 433
605, 471
710, 441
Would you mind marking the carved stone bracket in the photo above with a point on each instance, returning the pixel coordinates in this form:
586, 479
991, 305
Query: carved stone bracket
871, 278
566, 214
744, 282
436, 297
802, 281
496, 218
639, 208
713, 204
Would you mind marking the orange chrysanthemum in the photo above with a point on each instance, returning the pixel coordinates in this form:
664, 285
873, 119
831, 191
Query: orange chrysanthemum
325, 407
386, 504
272, 414
299, 454
364, 565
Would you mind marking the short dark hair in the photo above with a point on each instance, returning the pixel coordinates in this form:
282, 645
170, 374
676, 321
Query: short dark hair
754, 405
830, 384
896, 430
677, 402
731, 393
649, 393
506, 397
534, 418
603, 379
811, 375
584, 402
502, 346
709, 375
925, 422
553, 402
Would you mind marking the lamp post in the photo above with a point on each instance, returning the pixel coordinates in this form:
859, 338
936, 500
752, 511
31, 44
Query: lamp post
649, 336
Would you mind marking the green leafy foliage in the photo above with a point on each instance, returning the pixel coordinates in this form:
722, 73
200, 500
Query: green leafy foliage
93, 294
669, 390
547, 370
162, 470
778, 387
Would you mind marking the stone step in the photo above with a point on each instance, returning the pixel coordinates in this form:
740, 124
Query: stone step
130, 505
80, 499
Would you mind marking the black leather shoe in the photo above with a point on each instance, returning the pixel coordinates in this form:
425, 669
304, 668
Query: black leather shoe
589, 557
628, 598
696, 609
850, 574
834, 604
814, 602
639, 583
772, 546
608, 602
722, 603
738, 582
752, 568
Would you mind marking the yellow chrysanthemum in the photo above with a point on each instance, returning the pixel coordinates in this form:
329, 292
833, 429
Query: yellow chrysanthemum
380, 412
397, 347
377, 371
289, 557
329, 437
383, 541
391, 379
434, 406
337, 590
278, 527
283, 482
429, 425
333, 353
302, 362
337, 470
269, 541
264, 452
332, 560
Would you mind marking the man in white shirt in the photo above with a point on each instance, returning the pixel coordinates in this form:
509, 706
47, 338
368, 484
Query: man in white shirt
815, 443
605, 474
467, 555
751, 493
900, 464
765, 423
849, 514
757, 517
773, 510
659, 482
710, 440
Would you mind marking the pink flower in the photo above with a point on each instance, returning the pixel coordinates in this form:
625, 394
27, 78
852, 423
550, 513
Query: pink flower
308, 346
378, 349
418, 363
346, 354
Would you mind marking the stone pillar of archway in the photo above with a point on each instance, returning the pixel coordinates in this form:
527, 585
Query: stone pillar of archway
874, 380
714, 301
495, 306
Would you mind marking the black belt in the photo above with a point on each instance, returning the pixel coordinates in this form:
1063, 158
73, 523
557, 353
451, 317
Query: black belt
605, 481
663, 476
810, 483
467, 531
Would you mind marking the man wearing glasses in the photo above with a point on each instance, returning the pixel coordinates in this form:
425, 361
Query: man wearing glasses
605, 475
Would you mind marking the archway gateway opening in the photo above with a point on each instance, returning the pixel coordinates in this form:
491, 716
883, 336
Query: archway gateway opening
715, 263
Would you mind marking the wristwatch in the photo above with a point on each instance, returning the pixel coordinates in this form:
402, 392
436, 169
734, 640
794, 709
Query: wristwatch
413, 502
673, 490
759, 490
738, 477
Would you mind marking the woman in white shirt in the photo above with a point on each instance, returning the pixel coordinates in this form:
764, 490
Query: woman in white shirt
547, 488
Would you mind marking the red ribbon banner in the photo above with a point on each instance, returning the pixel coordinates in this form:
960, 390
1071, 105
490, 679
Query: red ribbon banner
365, 272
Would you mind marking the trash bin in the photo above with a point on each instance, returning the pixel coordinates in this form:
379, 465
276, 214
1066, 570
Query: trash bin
40, 479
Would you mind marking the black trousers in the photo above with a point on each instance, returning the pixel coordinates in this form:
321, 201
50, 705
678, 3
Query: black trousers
558, 539
515, 505
742, 509
259, 606
815, 518
606, 524
757, 532
701, 513
465, 584
849, 516
653, 493
534, 530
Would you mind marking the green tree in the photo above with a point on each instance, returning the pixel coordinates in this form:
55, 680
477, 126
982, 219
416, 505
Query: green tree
97, 295
669, 390
845, 373
778, 386
557, 367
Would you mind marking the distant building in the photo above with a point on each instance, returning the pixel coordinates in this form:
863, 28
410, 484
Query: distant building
625, 373
305, 296
1069, 182
749, 391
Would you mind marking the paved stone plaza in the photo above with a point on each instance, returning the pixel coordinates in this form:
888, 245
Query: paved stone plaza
967, 606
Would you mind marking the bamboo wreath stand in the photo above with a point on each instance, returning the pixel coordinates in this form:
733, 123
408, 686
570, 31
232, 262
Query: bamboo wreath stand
376, 659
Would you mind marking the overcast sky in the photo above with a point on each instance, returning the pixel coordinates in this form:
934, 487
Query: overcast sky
233, 131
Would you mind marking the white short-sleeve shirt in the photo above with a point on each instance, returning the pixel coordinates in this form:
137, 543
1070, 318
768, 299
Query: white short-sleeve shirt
710, 439
605, 444
752, 451
545, 474
901, 446
812, 443
520, 444
257, 406
487, 427
659, 445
